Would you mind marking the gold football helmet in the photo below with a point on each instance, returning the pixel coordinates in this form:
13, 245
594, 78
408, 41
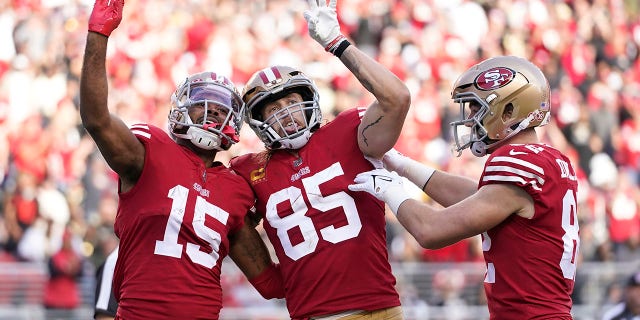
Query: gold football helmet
212, 91
271, 84
498, 98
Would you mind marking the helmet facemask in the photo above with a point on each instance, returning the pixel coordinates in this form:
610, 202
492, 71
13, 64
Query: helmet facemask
469, 130
282, 128
277, 131
219, 125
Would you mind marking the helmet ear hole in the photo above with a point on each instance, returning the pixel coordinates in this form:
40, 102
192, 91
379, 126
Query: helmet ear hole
507, 113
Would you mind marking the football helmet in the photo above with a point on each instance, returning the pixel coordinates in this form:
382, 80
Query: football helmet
212, 91
271, 84
498, 98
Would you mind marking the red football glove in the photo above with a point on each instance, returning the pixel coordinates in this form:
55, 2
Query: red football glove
106, 16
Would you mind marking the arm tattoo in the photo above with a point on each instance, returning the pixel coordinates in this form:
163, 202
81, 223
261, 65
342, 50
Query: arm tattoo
355, 67
364, 136
367, 85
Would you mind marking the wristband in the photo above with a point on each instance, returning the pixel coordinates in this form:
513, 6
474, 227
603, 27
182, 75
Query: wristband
417, 173
338, 45
341, 47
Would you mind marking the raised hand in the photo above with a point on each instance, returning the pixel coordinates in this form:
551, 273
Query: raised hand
322, 21
382, 184
106, 16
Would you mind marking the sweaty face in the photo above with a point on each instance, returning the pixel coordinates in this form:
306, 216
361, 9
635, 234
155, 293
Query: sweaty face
214, 113
285, 115
211, 101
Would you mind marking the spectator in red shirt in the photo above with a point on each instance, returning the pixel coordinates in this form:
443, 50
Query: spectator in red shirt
61, 292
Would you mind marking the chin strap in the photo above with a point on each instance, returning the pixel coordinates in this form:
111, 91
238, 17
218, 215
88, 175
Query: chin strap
203, 139
231, 132
479, 148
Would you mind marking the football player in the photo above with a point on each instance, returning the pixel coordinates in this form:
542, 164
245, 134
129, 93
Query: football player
524, 204
180, 211
330, 242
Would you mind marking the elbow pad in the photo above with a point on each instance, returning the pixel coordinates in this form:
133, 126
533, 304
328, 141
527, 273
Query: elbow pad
269, 283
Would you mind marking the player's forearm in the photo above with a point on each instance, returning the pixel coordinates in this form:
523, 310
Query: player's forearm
448, 189
248, 250
391, 93
251, 255
93, 83
431, 228
415, 218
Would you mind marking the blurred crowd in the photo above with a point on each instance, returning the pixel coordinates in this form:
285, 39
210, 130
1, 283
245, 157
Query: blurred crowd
53, 179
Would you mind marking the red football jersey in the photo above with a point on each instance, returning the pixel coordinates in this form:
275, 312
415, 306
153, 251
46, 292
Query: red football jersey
173, 228
330, 241
531, 263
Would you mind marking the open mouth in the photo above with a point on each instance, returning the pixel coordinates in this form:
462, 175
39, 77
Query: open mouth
211, 122
291, 127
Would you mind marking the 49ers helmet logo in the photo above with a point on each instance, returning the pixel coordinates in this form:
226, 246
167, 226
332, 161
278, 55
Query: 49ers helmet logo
494, 78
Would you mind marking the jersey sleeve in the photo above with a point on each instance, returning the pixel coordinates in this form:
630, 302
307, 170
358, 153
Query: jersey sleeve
515, 166
269, 283
147, 133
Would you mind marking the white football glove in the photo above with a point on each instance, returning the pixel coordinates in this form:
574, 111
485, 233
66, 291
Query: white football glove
413, 170
382, 184
322, 21
394, 160
377, 163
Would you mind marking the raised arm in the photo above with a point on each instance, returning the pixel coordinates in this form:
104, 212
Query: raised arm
120, 148
384, 118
